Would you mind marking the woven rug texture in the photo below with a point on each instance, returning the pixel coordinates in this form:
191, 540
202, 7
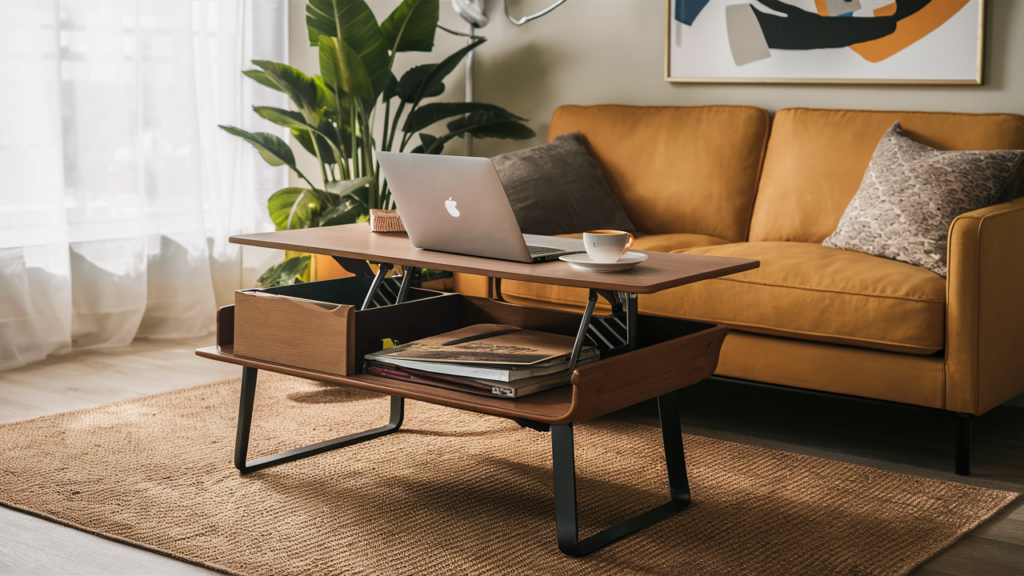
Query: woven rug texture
455, 492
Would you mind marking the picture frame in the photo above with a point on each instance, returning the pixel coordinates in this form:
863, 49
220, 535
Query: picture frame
799, 42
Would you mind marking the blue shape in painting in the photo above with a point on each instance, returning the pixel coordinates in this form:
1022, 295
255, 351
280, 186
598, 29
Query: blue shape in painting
687, 10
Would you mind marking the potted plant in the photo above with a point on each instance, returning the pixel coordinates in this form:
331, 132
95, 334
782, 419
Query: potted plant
335, 114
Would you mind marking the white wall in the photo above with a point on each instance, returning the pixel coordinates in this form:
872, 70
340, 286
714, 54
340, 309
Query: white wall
612, 51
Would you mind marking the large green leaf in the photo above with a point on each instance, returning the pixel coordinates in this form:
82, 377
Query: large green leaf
326, 133
305, 139
325, 98
411, 84
416, 22
345, 187
490, 124
481, 125
427, 114
261, 77
329, 131
391, 90
350, 211
273, 149
363, 195
352, 22
436, 76
427, 143
351, 204
285, 273
329, 102
285, 118
329, 152
292, 208
342, 69
505, 129
299, 87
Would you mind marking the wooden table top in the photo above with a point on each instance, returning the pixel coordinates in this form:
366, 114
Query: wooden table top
659, 272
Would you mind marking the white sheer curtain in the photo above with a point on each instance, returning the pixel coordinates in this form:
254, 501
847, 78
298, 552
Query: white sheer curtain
117, 190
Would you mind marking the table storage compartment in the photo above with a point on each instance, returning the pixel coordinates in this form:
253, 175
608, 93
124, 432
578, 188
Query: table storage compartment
318, 326
671, 354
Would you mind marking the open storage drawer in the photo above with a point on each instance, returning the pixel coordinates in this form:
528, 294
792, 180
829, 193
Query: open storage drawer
671, 354
318, 326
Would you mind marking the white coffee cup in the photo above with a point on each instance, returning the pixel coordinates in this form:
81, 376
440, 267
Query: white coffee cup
607, 246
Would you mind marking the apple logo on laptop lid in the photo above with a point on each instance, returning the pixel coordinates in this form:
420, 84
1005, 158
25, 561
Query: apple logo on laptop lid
450, 205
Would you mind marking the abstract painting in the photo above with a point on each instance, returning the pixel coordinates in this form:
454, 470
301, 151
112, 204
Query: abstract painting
825, 41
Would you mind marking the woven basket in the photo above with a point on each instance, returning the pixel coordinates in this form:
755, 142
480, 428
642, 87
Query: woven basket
386, 221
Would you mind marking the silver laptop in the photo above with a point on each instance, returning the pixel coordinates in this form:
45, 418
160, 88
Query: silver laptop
457, 204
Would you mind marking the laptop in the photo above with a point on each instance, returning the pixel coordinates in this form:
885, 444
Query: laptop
457, 204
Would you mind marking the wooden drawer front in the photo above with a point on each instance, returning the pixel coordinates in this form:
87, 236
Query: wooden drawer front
294, 331
317, 326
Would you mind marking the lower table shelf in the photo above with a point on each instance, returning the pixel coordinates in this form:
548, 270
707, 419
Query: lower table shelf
549, 407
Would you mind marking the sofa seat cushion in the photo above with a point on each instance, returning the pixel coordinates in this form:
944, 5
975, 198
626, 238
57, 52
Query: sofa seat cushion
813, 292
805, 291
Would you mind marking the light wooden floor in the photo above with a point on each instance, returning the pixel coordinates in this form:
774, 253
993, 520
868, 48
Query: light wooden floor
885, 437
29, 545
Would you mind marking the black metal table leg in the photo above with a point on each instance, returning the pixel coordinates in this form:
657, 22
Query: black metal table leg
563, 463
245, 405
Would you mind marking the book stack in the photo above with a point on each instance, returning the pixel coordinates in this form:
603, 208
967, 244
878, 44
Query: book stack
487, 359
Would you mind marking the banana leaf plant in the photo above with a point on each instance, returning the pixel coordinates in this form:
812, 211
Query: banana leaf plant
335, 113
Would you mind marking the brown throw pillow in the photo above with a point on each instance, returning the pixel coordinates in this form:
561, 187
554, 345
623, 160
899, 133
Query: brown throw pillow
911, 193
558, 188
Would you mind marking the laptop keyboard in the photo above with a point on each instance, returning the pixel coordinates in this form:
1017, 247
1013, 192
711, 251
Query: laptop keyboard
542, 250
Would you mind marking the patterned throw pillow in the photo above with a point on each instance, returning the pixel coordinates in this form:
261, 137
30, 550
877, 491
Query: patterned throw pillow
911, 193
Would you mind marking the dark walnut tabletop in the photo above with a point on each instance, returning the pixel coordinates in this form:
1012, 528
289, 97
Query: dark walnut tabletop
659, 272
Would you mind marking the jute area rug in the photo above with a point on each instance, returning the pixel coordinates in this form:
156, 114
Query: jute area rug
456, 492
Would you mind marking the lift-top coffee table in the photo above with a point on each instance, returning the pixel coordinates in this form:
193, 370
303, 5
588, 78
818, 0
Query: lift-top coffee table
643, 357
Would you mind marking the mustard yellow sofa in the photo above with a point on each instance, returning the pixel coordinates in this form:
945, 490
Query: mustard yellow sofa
731, 181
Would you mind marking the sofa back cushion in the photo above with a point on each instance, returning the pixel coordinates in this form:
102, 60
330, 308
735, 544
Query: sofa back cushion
676, 169
816, 160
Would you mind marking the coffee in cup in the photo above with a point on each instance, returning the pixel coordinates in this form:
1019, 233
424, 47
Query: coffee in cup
607, 246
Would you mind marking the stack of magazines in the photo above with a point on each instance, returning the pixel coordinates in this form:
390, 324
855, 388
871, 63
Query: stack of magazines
488, 359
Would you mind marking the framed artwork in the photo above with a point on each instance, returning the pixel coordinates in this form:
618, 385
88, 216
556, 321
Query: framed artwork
825, 41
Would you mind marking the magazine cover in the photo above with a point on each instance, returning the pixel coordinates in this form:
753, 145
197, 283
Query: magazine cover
485, 344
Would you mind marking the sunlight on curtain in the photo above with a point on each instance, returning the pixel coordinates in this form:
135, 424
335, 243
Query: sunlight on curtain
117, 190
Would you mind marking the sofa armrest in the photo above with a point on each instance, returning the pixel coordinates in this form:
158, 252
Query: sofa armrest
985, 308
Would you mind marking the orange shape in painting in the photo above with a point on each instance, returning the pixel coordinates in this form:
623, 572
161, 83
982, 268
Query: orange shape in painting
887, 10
909, 30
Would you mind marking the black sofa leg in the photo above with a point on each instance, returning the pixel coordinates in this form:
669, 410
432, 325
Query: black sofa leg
962, 441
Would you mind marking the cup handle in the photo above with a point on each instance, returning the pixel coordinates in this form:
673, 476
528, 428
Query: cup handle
629, 244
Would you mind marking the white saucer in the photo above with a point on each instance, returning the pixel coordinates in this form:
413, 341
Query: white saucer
582, 261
